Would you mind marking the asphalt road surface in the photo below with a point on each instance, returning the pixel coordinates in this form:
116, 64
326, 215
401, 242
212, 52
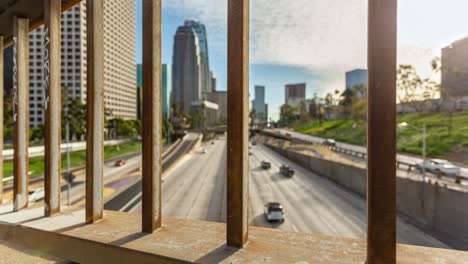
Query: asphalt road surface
196, 189
313, 139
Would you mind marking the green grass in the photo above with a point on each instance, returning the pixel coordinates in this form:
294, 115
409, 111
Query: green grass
441, 140
77, 158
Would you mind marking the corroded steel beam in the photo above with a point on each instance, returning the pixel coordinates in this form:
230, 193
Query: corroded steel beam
95, 110
381, 132
20, 112
152, 117
1, 121
237, 125
52, 104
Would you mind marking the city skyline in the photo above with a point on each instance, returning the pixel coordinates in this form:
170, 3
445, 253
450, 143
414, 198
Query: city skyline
420, 39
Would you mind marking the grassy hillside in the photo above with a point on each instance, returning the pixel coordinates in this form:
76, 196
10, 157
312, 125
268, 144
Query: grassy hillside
443, 139
77, 158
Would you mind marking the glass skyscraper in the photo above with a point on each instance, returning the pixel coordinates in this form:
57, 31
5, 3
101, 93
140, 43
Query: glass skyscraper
186, 68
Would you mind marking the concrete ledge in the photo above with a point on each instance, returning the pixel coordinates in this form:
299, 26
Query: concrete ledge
117, 239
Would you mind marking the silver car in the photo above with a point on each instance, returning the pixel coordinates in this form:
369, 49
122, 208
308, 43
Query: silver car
439, 166
274, 212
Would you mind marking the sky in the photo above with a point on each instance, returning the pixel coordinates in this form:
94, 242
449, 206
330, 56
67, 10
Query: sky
313, 41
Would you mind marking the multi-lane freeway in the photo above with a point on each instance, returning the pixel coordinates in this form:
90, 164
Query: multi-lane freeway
196, 189
312, 139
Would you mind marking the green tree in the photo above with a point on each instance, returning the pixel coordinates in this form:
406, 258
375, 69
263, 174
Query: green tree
287, 114
408, 83
8, 116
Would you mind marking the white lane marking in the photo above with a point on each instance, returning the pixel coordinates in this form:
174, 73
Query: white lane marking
130, 202
295, 228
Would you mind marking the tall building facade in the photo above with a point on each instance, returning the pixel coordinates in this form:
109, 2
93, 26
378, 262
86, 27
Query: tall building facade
455, 70
120, 96
219, 98
213, 81
295, 93
166, 90
357, 78
186, 68
261, 108
205, 77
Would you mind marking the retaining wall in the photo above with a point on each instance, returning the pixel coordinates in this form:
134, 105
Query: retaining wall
443, 212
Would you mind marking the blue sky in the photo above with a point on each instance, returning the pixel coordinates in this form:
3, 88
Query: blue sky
313, 41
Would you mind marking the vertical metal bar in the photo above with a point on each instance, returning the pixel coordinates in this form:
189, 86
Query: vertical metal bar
95, 110
1, 119
21, 112
237, 126
381, 132
52, 104
152, 117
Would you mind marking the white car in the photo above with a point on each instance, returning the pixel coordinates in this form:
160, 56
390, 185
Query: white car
274, 212
439, 166
204, 151
36, 195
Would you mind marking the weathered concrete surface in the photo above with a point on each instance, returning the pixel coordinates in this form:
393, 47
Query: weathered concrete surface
117, 239
12, 253
434, 208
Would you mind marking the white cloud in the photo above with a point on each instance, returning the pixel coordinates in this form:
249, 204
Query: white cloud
327, 37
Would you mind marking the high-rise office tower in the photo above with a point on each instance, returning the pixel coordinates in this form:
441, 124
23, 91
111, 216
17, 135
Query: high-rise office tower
213, 81
295, 93
186, 68
261, 109
455, 70
205, 77
356, 78
120, 87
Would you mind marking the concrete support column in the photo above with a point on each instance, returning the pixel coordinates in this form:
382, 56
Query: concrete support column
52, 104
95, 110
20, 112
381, 132
1, 119
238, 123
152, 116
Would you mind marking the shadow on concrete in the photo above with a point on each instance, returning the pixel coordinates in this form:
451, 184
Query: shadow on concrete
218, 254
126, 239
69, 228
29, 220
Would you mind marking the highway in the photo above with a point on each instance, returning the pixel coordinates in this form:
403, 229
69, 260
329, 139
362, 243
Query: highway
196, 189
313, 139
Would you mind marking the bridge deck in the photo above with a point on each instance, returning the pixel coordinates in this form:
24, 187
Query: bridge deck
118, 239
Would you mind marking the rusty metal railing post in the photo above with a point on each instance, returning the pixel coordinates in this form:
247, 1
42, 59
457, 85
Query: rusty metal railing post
20, 112
237, 125
95, 110
52, 105
152, 117
381, 132
1, 119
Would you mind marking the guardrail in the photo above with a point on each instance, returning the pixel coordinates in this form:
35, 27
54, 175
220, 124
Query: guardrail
359, 154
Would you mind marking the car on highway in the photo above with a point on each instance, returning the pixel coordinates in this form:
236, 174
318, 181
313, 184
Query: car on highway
329, 142
36, 195
120, 163
204, 151
266, 165
254, 143
287, 171
274, 212
439, 166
